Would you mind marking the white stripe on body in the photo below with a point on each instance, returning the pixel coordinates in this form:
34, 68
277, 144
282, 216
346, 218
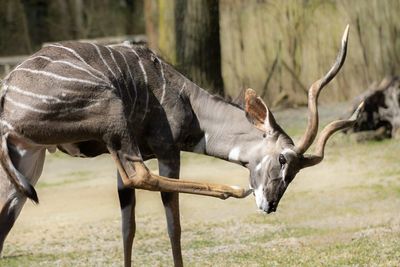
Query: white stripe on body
69, 64
24, 106
180, 92
134, 87
46, 98
164, 81
59, 111
80, 58
141, 65
120, 71
58, 77
183, 87
145, 81
105, 63
132, 80
116, 64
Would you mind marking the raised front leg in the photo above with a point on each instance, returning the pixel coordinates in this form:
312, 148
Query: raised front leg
127, 203
135, 174
170, 168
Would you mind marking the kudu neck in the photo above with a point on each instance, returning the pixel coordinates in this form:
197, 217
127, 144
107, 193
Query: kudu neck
228, 134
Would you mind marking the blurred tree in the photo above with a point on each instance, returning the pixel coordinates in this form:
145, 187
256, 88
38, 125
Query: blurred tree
32, 22
135, 18
35, 12
14, 34
198, 44
186, 33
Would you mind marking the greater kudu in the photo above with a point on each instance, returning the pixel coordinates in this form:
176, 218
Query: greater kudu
87, 99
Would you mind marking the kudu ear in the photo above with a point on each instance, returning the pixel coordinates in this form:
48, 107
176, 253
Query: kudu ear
258, 113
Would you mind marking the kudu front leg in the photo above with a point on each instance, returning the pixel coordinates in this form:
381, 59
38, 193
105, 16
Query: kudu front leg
127, 203
170, 168
135, 174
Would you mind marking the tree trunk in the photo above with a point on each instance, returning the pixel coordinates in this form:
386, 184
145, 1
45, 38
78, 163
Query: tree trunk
198, 44
186, 33
14, 34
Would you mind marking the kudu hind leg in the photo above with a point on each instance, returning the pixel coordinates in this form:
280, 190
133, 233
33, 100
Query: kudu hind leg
170, 168
29, 162
8, 215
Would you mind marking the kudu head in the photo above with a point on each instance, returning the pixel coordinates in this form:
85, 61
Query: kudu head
280, 159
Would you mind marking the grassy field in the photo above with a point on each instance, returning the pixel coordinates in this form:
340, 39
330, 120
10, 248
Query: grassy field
343, 212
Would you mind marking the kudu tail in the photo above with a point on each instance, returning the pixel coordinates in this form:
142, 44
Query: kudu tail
17, 178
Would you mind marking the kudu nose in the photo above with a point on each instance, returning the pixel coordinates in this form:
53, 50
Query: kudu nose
271, 207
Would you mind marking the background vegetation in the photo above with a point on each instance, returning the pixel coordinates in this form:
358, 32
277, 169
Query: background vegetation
26, 24
276, 47
281, 47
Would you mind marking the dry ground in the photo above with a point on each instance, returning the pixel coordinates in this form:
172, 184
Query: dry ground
343, 212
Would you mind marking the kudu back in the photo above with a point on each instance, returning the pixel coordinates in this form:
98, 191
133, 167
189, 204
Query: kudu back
86, 99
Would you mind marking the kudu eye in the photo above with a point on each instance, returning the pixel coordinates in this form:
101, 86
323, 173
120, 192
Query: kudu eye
282, 159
